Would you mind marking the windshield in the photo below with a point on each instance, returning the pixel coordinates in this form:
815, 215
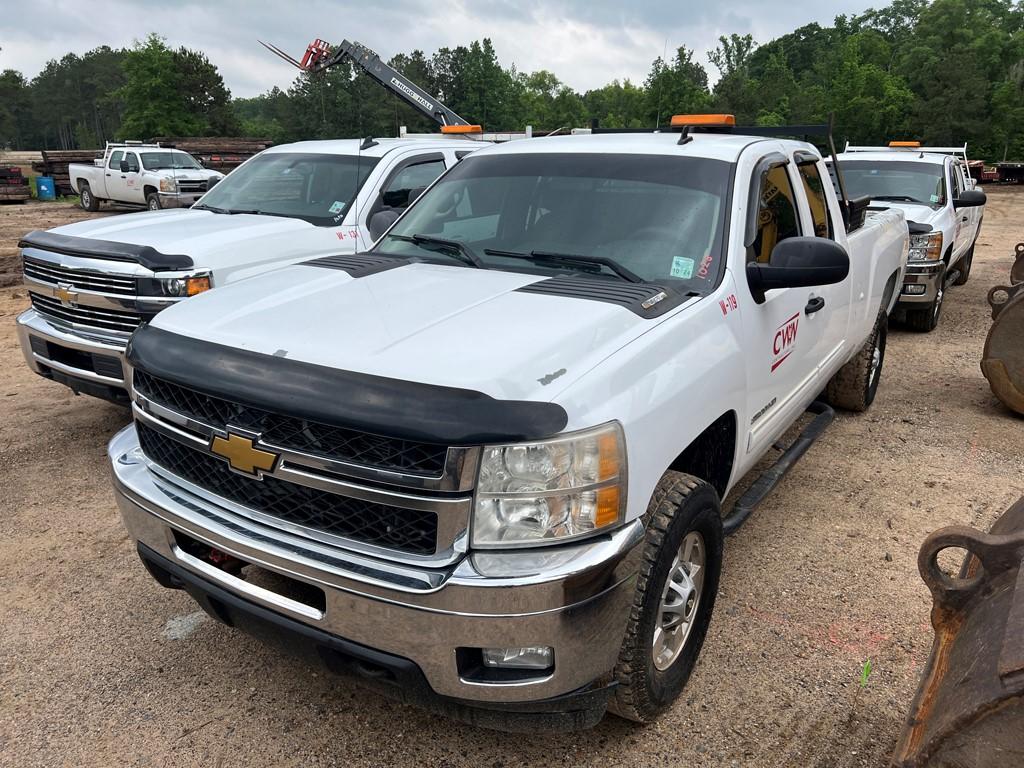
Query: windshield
156, 161
660, 218
316, 188
895, 181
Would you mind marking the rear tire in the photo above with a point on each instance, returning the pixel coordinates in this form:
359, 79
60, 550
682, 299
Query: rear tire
855, 385
153, 201
673, 599
86, 198
927, 319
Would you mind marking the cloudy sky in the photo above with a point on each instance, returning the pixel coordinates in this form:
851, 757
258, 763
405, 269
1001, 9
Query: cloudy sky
586, 43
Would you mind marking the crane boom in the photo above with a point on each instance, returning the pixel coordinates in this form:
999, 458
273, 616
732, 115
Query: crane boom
320, 56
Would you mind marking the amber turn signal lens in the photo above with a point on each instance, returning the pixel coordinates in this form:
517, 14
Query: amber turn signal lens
194, 285
607, 506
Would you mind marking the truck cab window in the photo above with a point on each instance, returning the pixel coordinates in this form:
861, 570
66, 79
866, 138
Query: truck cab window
777, 218
815, 190
414, 178
133, 162
114, 163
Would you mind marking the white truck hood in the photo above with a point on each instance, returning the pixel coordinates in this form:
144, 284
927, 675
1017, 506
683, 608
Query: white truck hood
922, 214
212, 240
445, 325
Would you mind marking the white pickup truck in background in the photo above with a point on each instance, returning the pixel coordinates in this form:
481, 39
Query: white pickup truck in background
93, 282
134, 173
482, 464
933, 187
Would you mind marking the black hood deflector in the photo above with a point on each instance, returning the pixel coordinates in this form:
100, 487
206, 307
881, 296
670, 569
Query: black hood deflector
87, 248
375, 404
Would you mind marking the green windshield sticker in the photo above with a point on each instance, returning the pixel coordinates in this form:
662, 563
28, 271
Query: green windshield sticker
935, 198
682, 267
338, 207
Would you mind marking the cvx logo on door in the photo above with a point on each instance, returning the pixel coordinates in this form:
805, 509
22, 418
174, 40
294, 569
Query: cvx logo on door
784, 340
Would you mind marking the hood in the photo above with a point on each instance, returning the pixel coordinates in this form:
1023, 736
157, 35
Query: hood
433, 324
922, 214
208, 238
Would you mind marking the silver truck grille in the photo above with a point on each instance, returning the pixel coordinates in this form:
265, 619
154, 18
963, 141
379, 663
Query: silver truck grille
52, 273
191, 187
80, 316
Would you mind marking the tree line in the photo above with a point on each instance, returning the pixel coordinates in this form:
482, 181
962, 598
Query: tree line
944, 72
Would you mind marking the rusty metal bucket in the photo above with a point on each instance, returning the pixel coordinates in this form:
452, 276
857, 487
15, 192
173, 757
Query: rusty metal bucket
1002, 361
1017, 270
969, 710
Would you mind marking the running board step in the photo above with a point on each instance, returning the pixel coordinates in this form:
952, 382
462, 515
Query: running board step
765, 484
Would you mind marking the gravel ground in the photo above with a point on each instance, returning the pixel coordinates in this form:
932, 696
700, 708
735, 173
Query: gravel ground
99, 666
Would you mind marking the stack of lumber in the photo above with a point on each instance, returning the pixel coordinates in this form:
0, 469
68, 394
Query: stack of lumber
13, 186
219, 153
55, 163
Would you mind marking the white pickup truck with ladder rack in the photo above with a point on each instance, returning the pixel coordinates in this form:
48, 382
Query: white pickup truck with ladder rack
92, 283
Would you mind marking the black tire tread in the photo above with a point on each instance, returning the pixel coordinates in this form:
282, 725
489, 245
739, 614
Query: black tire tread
630, 699
848, 389
94, 204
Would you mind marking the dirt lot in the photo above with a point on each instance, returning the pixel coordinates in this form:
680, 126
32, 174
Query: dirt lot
99, 666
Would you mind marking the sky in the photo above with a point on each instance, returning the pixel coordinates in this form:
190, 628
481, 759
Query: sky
586, 43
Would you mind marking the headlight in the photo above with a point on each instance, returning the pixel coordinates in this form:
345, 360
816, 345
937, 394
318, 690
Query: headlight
168, 185
927, 247
547, 492
178, 287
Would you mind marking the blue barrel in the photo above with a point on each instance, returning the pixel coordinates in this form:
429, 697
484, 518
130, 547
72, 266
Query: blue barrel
45, 189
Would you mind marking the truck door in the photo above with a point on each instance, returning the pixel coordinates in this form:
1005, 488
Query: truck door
112, 174
133, 186
781, 343
966, 218
829, 325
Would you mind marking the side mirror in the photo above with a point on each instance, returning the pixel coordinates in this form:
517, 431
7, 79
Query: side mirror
799, 262
380, 222
124, 166
970, 198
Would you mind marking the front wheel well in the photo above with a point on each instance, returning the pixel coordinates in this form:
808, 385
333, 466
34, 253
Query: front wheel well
710, 455
148, 190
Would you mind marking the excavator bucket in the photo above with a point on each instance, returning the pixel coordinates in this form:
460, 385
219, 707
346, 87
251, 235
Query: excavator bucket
969, 710
1017, 270
1002, 361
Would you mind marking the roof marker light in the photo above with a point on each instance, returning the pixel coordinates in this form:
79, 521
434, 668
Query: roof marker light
719, 121
461, 129
905, 144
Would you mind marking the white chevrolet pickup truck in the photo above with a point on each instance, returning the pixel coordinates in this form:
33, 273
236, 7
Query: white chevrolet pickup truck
934, 189
141, 174
93, 282
482, 464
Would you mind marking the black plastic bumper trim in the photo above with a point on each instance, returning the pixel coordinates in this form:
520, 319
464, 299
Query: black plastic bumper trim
382, 406
394, 676
108, 392
88, 248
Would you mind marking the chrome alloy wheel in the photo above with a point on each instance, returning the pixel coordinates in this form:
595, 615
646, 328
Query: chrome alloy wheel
876, 363
680, 600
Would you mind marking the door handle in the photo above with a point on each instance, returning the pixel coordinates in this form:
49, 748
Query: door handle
816, 304
108, 174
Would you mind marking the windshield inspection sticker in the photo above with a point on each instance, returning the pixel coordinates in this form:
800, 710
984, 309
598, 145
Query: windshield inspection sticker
682, 267
338, 207
934, 198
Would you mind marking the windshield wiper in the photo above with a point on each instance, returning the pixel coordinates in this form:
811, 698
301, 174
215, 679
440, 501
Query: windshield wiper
570, 259
453, 247
897, 198
212, 208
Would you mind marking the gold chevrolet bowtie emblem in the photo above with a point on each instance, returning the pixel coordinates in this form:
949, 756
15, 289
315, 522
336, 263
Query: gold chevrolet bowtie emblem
65, 294
242, 455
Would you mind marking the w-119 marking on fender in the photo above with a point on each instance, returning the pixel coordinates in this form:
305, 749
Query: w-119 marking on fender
784, 340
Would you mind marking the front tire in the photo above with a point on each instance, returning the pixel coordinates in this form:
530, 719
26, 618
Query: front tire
927, 320
673, 599
153, 201
87, 200
855, 385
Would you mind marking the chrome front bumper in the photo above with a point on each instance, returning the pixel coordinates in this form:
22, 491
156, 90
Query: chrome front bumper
31, 324
927, 274
573, 598
179, 199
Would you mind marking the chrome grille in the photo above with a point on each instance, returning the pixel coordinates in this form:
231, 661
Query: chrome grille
52, 273
85, 317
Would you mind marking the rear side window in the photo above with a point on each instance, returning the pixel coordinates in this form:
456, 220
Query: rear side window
815, 191
777, 217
